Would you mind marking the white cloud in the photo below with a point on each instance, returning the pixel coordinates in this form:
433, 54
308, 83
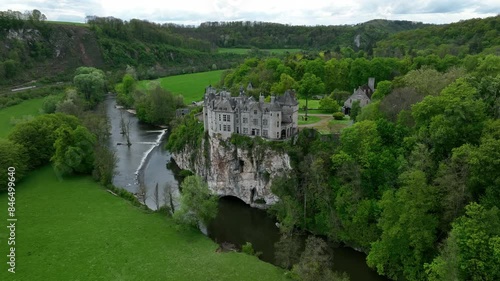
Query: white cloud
311, 12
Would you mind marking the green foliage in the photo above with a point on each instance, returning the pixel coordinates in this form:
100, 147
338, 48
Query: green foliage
90, 82
186, 133
383, 89
248, 249
408, 227
157, 106
471, 251
39, 135
12, 155
451, 119
355, 110
338, 115
315, 263
104, 164
329, 105
198, 204
126, 90
74, 150
50, 103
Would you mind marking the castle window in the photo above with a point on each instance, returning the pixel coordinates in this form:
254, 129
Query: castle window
278, 135
245, 130
228, 118
277, 123
264, 122
245, 120
255, 122
264, 133
219, 116
224, 117
224, 128
255, 112
229, 128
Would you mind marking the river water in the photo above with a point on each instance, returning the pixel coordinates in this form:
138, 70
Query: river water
145, 162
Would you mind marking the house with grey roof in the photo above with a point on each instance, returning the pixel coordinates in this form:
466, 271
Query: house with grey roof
363, 94
225, 115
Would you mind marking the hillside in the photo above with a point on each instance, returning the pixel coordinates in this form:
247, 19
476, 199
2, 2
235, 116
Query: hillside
465, 37
266, 35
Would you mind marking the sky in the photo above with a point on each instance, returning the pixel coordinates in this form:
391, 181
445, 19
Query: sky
295, 12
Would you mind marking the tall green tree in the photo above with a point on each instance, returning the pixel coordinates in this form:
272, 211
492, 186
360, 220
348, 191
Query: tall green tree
198, 204
90, 82
310, 85
408, 223
74, 150
472, 249
38, 136
12, 155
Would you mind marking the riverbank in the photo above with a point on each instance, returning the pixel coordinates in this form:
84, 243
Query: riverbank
71, 228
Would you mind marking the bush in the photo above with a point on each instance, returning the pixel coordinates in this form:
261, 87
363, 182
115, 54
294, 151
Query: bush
338, 115
248, 249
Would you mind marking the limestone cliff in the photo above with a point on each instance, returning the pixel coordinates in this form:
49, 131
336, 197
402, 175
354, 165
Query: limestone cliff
233, 171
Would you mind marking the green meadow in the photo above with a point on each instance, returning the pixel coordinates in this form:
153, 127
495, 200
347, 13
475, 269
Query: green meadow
28, 107
311, 104
73, 229
190, 86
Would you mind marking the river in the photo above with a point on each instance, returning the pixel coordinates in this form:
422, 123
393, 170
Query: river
145, 161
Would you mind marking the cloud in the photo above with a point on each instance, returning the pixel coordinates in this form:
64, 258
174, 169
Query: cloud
311, 12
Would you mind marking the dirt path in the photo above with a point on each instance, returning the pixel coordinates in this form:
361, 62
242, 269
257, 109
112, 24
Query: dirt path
325, 118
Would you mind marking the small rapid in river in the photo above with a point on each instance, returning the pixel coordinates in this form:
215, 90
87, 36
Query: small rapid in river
145, 162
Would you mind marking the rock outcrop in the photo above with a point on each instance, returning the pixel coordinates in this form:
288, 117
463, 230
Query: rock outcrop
233, 171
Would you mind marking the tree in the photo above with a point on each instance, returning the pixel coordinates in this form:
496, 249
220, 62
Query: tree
74, 150
329, 105
90, 82
50, 104
408, 223
383, 89
39, 135
355, 110
310, 85
12, 155
198, 204
472, 249
286, 82
316, 263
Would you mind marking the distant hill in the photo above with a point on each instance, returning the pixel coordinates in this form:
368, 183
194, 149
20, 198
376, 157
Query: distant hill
266, 35
465, 37
33, 49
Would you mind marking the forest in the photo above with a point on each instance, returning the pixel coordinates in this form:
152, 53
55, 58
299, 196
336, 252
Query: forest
413, 182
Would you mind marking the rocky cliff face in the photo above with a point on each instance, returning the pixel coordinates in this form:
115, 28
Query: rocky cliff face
232, 171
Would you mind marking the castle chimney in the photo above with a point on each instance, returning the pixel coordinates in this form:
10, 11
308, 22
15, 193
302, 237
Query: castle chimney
273, 98
371, 83
261, 98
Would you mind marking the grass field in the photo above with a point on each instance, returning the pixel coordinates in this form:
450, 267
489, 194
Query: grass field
69, 23
311, 104
73, 229
244, 51
310, 120
335, 126
190, 86
28, 107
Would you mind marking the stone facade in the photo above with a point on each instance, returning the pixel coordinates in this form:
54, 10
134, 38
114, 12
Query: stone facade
363, 94
225, 115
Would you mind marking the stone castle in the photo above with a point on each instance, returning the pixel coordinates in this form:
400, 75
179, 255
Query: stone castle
274, 120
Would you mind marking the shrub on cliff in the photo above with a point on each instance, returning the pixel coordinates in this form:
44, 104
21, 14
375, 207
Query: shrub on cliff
198, 204
188, 131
